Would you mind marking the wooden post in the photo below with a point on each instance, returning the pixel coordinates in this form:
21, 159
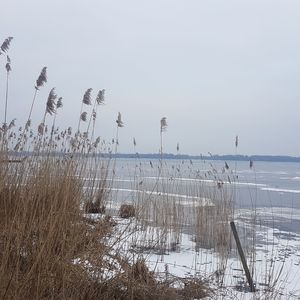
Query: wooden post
242, 256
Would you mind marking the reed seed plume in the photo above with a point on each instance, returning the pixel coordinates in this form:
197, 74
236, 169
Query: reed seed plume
8, 64
134, 142
41, 128
27, 125
50, 106
100, 97
97, 141
12, 124
85, 100
42, 79
94, 115
59, 103
99, 100
119, 120
236, 141
177, 148
163, 127
163, 124
83, 116
87, 97
4, 127
5, 45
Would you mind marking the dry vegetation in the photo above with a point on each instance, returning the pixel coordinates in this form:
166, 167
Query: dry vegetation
53, 180
49, 249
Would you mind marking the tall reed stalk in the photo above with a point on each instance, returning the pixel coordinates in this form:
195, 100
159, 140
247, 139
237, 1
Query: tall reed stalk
58, 105
42, 79
8, 69
3, 49
163, 128
87, 101
119, 125
99, 100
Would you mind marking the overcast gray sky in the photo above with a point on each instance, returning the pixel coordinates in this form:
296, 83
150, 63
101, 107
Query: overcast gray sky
214, 68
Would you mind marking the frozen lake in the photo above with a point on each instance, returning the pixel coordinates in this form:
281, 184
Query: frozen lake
270, 188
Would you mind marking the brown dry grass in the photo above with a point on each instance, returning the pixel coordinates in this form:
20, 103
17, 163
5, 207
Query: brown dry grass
49, 249
50, 246
43, 230
127, 211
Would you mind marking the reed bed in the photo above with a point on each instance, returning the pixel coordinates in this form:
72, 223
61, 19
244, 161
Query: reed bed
175, 202
57, 236
51, 246
43, 230
63, 232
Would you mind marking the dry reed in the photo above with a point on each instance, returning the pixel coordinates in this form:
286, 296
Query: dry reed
51, 247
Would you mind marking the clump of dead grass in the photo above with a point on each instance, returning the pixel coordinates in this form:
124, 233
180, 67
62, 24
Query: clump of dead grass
137, 282
127, 211
43, 231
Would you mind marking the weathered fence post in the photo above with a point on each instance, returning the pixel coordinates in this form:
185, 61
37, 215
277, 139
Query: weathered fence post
242, 256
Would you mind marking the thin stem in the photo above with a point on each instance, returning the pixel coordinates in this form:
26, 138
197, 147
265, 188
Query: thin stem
80, 117
6, 98
161, 147
33, 101
44, 118
42, 135
115, 158
117, 140
29, 116
94, 109
52, 130
93, 130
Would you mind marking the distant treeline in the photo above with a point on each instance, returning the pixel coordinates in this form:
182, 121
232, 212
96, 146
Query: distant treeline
273, 158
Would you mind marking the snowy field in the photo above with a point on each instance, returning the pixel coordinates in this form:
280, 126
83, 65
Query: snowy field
274, 263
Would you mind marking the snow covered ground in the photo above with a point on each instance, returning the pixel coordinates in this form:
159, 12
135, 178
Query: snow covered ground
274, 263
